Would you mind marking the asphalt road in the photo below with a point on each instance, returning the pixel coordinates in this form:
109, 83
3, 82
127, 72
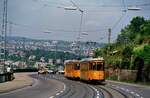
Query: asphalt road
137, 91
57, 86
42, 88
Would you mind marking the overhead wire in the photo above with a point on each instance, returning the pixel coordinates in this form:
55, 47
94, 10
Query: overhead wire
53, 30
122, 16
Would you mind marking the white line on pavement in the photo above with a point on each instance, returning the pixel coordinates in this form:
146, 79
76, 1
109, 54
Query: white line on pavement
57, 94
51, 97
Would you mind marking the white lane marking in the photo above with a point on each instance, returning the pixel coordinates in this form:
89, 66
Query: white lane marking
64, 87
123, 88
117, 86
112, 85
127, 90
137, 94
57, 94
51, 97
97, 92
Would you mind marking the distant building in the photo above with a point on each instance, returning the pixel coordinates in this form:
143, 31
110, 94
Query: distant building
58, 61
42, 59
8, 62
50, 61
20, 65
40, 64
32, 57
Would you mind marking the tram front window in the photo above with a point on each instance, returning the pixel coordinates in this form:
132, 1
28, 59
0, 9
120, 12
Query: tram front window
99, 67
77, 67
94, 66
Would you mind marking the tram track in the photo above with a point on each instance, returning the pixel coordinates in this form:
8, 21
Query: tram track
74, 89
89, 90
123, 94
77, 89
105, 93
109, 92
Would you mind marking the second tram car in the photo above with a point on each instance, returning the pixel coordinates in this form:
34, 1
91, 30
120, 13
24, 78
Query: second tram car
92, 69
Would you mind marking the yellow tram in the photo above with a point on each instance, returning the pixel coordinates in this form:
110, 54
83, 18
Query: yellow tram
92, 69
88, 69
72, 69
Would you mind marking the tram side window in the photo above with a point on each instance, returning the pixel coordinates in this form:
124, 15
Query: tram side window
77, 66
94, 66
90, 66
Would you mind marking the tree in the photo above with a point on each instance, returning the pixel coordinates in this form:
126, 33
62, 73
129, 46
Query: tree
127, 52
145, 28
97, 53
142, 60
136, 23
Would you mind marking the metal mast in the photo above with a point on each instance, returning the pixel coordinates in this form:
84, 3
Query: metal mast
3, 34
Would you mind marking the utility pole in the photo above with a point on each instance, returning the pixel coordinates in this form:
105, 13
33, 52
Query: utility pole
10, 28
80, 28
4, 35
109, 40
24, 49
109, 35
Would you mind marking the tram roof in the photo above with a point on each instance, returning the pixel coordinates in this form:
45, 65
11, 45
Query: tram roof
92, 59
67, 61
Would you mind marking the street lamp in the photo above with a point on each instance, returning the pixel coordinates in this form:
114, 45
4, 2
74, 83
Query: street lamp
84, 33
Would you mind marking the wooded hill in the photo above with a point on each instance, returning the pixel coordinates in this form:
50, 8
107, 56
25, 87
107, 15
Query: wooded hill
131, 49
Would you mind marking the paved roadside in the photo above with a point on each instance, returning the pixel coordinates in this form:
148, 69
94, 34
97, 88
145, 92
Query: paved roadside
21, 80
138, 91
129, 84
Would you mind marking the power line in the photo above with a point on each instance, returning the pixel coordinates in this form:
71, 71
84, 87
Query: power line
54, 30
115, 25
125, 11
113, 5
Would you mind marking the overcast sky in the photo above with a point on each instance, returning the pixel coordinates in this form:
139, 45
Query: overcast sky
33, 17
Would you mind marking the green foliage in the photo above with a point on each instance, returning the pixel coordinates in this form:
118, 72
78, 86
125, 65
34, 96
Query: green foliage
16, 58
51, 54
124, 38
125, 64
136, 34
127, 52
145, 28
136, 23
146, 54
50, 66
143, 52
98, 52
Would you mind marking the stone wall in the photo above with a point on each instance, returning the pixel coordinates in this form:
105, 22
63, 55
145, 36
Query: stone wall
121, 75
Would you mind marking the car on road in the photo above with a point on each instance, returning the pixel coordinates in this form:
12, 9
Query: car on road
43, 71
51, 71
61, 72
